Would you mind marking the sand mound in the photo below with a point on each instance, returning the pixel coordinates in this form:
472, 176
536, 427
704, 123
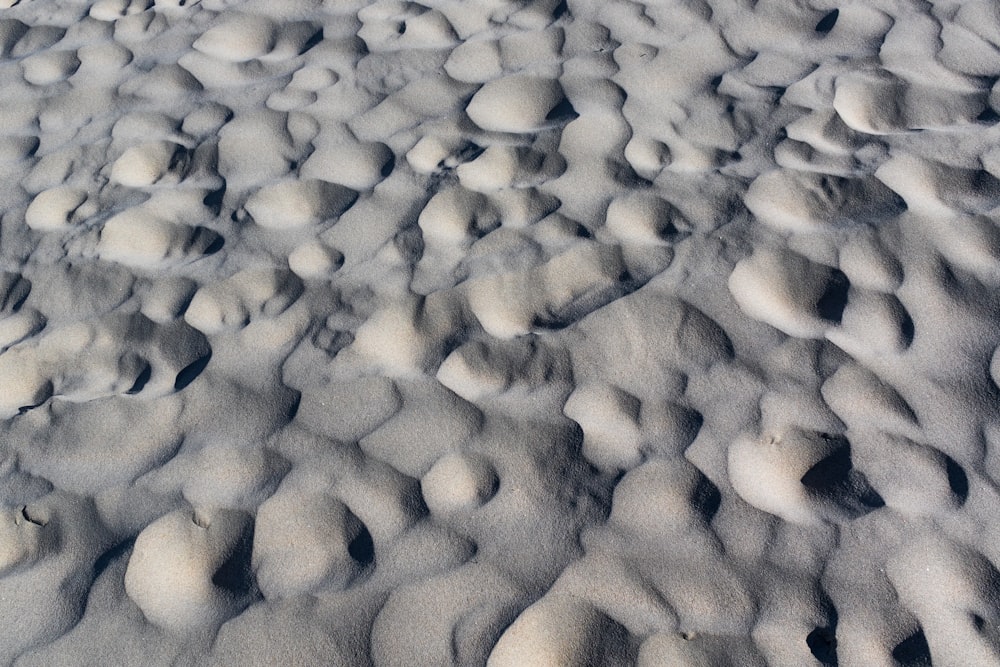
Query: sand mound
503, 332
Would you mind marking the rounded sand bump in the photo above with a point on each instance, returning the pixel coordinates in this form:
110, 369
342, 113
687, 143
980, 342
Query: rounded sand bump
24, 380
971, 243
189, 570
313, 260
503, 167
516, 103
873, 323
913, 479
314, 78
16, 327
139, 238
783, 289
25, 538
291, 204
140, 126
112, 10
395, 338
99, 60
647, 156
360, 165
14, 149
861, 399
474, 61
952, 590
428, 154
163, 84
642, 218
995, 367
239, 38
224, 475
472, 373
561, 630
395, 26
150, 163
793, 201
167, 298
767, 471
870, 266
290, 99
456, 216
49, 67
53, 209
870, 101
14, 289
663, 496
609, 417
458, 482
457, 613
232, 303
303, 543
207, 119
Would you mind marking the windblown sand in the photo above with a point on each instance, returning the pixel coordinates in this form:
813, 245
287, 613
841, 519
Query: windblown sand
500, 332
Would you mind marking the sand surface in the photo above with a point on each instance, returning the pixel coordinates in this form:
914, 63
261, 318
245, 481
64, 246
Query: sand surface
505, 332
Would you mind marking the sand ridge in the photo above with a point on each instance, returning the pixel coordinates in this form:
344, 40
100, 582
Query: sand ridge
505, 332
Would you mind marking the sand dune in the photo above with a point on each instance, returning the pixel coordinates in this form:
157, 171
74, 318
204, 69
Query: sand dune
499, 332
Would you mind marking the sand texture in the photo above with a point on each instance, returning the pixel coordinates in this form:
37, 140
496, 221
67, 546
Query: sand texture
515, 333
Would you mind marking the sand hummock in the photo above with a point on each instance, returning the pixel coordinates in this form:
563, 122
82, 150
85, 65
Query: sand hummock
499, 332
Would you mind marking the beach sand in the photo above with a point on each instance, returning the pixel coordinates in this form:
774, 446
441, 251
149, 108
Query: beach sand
505, 332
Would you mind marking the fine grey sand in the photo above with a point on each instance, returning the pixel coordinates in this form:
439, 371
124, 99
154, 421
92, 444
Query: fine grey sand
505, 332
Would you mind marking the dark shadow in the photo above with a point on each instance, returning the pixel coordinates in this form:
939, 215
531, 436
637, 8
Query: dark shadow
216, 245
141, 380
868, 496
361, 548
180, 160
829, 20
313, 40
293, 408
907, 329
236, 574
957, 479
388, 167
913, 651
331, 342
16, 289
832, 303
822, 642
623, 174
410, 243
187, 374
988, 116
707, 499
562, 112
105, 560
693, 421
33, 144
556, 319
830, 472
25, 408
835, 478
213, 200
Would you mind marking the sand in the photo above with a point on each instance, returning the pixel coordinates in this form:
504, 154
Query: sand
499, 332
